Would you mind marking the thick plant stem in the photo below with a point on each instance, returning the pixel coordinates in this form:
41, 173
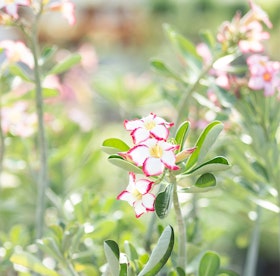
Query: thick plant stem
42, 144
252, 253
182, 252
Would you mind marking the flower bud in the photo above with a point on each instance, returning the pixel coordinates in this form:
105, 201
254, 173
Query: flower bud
184, 154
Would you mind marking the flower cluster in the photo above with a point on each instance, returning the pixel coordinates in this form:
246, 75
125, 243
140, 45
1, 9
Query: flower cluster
153, 154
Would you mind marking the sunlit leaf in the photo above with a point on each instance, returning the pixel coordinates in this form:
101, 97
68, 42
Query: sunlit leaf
50, 247
205, 181
29, 261
219, 163
163, 202
114, 145
112, 254
130, 251
160, 253
65, 65
181, 134
227, 272
124, 164
21, 70
162, 69
204, 143
209, 264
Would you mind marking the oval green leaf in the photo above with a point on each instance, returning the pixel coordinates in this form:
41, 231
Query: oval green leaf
65, 65
209, 264
160, 254
181, 134
112, 254
163, 202
205, 181
114, 145
124, 164
204, 143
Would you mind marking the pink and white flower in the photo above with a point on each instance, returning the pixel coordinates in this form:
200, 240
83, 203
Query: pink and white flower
147, 127
264, 74
153, 156
11, 7
66, 8
16, 51
138, 194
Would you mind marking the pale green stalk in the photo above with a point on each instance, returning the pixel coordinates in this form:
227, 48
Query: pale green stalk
42, 143
182, 240
253, 250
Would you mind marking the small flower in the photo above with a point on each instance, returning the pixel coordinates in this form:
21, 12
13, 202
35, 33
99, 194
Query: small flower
264, 74
153, 156
11, 7
150, 126
16, 51
66, 8
138, 195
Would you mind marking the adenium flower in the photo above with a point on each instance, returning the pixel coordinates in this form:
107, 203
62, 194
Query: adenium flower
138, 194
11, 7
66, 8
16, 51
264, 74
245, 32
153, 156
150, 126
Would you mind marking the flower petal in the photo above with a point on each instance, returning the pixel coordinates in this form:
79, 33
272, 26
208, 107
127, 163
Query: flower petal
168, 158
138, 154
148, 201
139, 135
143, 185
133, 124
139, 208
153, 166
127, 196
160, 132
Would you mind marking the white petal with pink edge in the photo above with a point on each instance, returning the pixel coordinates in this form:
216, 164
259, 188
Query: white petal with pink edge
139, 135
148, 201
139, 208
139, 154
160, 132
153, 166
133, 124
168, 158
126, 196
143, 185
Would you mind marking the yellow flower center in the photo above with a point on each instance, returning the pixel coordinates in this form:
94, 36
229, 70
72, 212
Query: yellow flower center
9, 1
156, 151
150, 125
267, 76
137, 194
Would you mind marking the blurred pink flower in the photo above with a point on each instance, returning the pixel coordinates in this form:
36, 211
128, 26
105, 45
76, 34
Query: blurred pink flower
11, 7
16, 51
264, 74
150, 126
153, 156
17, 121
245, 32
66, 8
138, 195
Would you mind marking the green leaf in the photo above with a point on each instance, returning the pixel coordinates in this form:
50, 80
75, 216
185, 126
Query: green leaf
130, 251
124, 269
65, 65
218, 163
204, 143
114, 145
163, 202
181, 134
180, 271
21, 70
162, 69
124, 164
208, 38
50, 247
112, 254
205, 181
209, 264
184, 47
31, 262
160, 254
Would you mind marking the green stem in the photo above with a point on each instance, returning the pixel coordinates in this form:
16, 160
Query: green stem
252, 253
182, 252
42, 144
186, 96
